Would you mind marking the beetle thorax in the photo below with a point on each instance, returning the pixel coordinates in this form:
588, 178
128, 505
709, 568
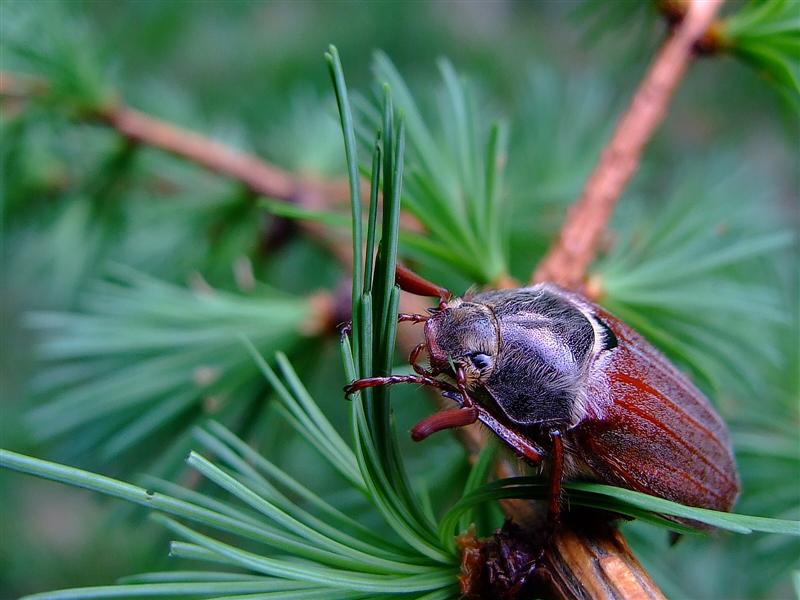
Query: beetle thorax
524, 352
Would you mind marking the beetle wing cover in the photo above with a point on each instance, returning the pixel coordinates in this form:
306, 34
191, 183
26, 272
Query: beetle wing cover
650, 429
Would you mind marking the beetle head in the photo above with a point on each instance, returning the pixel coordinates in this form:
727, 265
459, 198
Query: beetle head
463, 334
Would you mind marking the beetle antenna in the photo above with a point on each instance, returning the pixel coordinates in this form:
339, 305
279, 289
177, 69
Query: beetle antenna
445, 419
414, 284
345, 329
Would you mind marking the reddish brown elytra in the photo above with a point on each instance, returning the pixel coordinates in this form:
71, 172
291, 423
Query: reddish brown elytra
557, 377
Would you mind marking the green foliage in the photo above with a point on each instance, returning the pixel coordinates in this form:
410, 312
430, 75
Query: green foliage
339, 556
550, 158
646, 508
321, 551
74, 75
144, 356
557, 153
599, 19
696, 260
766, 35
682, 282
454, 186
307, 140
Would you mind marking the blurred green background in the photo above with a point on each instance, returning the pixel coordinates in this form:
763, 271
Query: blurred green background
87, 221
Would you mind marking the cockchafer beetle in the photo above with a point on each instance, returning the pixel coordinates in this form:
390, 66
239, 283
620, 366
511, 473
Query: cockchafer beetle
557, 377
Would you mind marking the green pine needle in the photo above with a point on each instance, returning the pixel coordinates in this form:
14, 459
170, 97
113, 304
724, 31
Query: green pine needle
454, 183
145, 354
766, 35
618, 500
683, 282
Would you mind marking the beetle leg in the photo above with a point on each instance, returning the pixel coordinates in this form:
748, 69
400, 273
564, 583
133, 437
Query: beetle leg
414, 284
523, 446
458, 417
360, 384
461, 378
466, 414
412, 317
556, 474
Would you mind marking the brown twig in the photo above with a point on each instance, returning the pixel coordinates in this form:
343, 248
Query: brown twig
259, 176
585, 558
568, 259
591, 561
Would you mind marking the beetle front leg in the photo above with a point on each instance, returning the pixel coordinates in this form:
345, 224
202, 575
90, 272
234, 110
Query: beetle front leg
461, 378
360, 384
451, 418
444, 419
411, 318
519, 443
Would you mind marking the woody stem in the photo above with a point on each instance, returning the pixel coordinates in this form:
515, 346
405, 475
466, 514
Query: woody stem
569, 257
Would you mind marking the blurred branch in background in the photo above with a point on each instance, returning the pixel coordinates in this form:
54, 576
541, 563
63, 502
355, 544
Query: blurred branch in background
257, 175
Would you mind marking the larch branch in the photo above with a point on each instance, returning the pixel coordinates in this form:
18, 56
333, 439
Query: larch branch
592, 561
257, 175
569, 258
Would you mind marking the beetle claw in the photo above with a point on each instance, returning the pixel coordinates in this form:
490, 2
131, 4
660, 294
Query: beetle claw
345, 328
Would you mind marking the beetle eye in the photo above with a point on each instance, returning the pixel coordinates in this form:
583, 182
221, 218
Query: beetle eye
480, 360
